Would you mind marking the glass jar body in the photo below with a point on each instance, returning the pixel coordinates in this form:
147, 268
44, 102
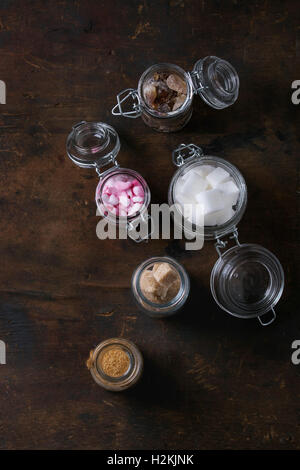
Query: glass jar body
247, 281
160, 310
212, 232
116, 384
118, 219
174, 120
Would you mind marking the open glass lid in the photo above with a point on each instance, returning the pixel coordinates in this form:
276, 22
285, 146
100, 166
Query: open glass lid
93, 144
247, 281
216, 81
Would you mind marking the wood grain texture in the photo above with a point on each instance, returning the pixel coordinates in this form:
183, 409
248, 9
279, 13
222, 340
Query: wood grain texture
211, 381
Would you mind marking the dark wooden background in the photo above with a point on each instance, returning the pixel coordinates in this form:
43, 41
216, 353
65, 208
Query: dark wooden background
211, 381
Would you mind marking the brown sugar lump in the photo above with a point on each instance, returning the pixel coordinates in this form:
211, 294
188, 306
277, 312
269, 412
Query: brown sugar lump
161, 283
176, 83
164, 92
151, 289
164, 274
174, 288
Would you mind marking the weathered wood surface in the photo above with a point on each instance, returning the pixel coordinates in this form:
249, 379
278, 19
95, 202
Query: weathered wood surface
211, 381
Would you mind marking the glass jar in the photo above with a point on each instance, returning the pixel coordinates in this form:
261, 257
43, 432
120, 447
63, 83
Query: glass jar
247, 280
164, 309
212, 78
133, 364
187, 157
96, 145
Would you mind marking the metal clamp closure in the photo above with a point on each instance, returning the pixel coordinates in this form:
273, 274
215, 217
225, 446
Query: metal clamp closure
134, 104
221, 244
184, 153
112, 159
196, 81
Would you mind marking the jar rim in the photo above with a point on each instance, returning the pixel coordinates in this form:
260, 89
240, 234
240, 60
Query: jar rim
173, 304
119, 383
146, 74
98, 195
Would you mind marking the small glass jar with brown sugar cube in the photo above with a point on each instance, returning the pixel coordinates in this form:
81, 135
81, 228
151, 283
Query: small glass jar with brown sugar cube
116, 364
160, 286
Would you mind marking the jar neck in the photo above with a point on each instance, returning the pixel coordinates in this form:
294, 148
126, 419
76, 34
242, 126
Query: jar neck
164, 308
123, 221
169, 68
127, 379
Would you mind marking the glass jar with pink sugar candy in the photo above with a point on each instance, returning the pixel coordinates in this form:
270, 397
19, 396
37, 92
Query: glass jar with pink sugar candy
122, 194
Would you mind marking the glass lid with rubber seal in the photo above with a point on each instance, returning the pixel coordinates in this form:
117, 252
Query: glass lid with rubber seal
92, 144
216, 81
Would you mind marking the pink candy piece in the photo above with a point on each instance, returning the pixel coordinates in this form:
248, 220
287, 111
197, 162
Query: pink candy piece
124, 200
138, 190
137, 199
123, 195
113, 200
123, 185
135, 208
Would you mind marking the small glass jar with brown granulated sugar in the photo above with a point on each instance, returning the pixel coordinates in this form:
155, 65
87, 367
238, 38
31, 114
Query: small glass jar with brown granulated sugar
116, 364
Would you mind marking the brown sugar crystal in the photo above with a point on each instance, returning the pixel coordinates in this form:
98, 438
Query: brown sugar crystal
114, 362
165, 92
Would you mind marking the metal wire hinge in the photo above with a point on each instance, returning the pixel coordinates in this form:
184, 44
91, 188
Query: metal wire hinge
135, 109
184, 153
221, 244
112, 160
195, 77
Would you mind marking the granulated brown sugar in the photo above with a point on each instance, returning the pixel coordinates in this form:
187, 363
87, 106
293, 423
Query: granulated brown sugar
114, 362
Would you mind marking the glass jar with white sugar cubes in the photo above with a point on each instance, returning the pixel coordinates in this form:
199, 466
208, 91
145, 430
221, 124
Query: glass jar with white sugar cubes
207, 190
247, 280
122, 194
165, 93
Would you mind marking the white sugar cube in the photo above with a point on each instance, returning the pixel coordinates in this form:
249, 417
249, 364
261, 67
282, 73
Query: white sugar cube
217, 176
210, 219
203, 170
211, 200
196, 216
183, 199
192, 184
225, 215
187, 211
230, 190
